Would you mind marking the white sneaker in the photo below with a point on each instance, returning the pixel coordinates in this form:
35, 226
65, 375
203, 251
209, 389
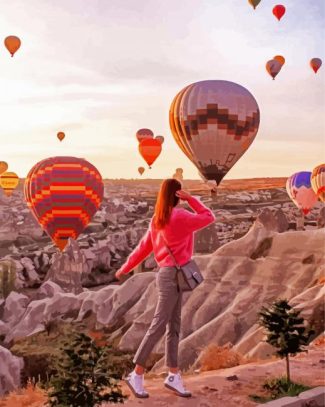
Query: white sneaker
135, 383
174, 382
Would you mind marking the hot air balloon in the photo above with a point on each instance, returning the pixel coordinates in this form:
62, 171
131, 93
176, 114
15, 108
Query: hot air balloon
144, 134
160, 138
3, 167
141, 170
315, 64
9, 181
214, 122
12, 43
318, 181
279, 11
254, 3
63, 193
280, 58
300, 191
60, 135
150, 150
273, 67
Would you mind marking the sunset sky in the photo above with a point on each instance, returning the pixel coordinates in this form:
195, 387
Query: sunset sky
99, 70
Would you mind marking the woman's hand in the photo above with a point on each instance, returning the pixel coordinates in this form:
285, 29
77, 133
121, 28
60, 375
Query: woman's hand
185, 196
118, 275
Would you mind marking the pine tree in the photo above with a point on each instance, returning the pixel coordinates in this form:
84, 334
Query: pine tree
84, 379
285, 330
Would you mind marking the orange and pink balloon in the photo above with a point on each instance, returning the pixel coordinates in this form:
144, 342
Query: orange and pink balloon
141, 170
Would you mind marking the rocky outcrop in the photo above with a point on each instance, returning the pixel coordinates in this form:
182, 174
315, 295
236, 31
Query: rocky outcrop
67, 268
240, 277
10, 369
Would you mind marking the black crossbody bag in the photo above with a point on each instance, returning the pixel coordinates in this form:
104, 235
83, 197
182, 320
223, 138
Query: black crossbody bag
189, 275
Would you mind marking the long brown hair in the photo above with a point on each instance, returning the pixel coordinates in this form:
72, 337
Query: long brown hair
166, 201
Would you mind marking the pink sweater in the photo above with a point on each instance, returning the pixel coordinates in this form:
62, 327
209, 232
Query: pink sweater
178, 233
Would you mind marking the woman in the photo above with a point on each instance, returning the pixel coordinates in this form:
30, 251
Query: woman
172, 226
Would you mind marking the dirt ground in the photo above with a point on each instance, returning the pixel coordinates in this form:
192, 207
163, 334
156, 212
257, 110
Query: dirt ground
212, 389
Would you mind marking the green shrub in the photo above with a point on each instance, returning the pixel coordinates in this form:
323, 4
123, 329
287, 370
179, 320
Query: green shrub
279, 387
285, 330
86, 375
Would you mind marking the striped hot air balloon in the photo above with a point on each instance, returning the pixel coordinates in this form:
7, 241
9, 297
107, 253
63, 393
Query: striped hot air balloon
214, 122
318, 181
63, 194
300, 191
9, 181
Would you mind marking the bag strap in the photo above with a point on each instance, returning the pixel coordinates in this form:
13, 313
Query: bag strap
170, 252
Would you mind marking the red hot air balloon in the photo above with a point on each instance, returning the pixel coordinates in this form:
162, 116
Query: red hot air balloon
279, 11
150, 150
63, 194
315, 64
144, 134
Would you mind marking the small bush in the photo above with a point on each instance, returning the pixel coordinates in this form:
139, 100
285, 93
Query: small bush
279, 387
86, 375
215, 357
30, 396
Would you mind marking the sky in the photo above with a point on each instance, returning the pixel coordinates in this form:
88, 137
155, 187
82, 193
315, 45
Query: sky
99, 70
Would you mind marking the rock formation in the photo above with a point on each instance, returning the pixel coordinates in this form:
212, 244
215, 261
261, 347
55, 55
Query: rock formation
240, 277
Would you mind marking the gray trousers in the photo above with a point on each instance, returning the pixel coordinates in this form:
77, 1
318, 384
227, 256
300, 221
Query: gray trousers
167, 313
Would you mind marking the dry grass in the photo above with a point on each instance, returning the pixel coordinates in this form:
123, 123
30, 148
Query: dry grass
321, 280
30, 396
320, 341
215, 357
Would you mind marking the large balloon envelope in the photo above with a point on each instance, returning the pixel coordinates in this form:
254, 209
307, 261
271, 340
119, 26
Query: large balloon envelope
63, 194
315, 64
300, 191
214, 122
144, 134
9, 181
12, 43
150, 150
279, 11
3, 167
318, 181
